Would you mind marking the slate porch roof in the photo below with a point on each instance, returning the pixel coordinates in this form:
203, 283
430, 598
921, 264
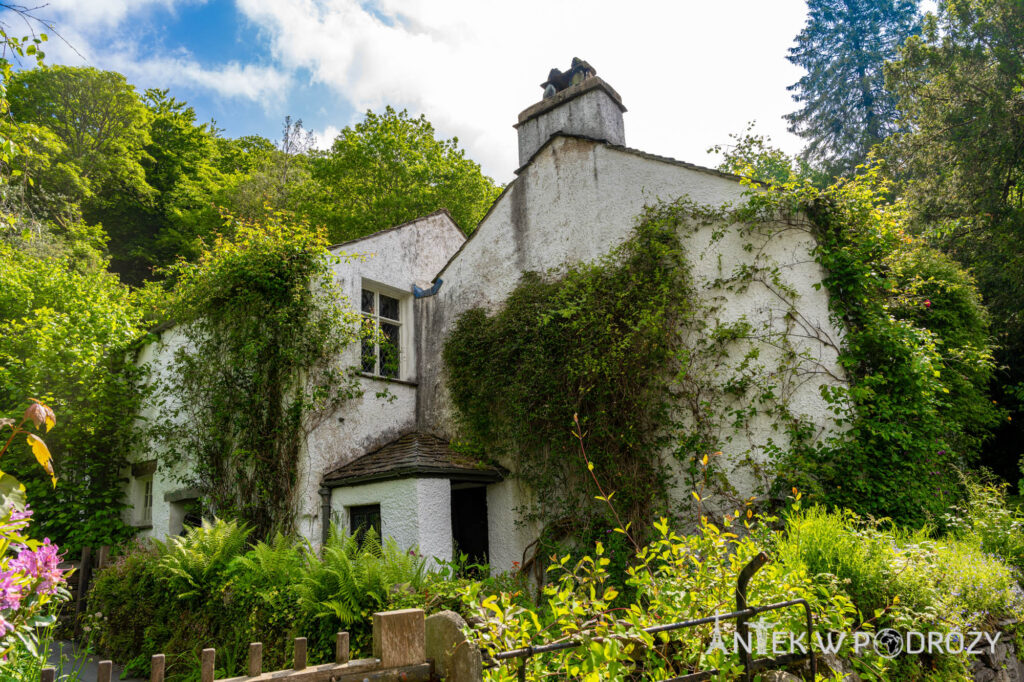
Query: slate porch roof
414, 455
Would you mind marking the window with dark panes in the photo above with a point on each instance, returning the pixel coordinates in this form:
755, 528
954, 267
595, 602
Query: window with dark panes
363, 518
382, 356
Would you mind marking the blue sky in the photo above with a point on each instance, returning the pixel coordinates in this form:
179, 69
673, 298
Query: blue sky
690, 72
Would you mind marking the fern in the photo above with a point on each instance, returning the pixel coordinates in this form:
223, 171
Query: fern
194, 564
348, 579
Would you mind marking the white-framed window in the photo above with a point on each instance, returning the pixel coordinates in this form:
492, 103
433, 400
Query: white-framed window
385, 309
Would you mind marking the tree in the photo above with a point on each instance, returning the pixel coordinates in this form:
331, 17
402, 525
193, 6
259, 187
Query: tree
99, 118
63, 337
180, 165
961, 158
845, 109
389, 169
269, 178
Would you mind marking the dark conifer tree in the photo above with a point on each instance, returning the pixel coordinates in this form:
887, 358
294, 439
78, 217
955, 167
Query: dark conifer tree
845, 109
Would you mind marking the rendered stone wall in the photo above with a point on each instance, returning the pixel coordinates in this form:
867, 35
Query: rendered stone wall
576, 201
416, 512
397, 259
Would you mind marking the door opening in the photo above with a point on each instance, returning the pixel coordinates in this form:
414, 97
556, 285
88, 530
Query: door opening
469, 522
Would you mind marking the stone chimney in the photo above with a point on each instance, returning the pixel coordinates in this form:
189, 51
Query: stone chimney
575, 103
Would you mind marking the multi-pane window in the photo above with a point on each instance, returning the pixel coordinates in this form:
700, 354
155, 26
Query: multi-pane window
381, 355
147, 499
362, 519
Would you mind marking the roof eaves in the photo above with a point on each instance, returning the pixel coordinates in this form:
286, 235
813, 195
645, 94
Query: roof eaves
483, 475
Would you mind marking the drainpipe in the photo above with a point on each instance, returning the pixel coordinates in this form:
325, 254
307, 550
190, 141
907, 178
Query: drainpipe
325, 514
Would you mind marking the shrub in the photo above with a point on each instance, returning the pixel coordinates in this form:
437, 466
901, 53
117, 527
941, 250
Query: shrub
903, 579
209, 588
856, 575
985, 519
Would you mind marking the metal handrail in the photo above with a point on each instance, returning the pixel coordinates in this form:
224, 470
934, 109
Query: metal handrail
742, 614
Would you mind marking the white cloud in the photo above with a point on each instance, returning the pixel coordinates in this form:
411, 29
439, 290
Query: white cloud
88, 14
248, 81
99, 33
690, 72
325, 137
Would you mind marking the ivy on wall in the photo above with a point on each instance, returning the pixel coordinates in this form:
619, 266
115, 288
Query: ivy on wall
917, 354
265, 326
599, 340
641, 353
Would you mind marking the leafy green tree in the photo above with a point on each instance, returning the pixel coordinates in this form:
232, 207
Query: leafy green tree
753, 156
181, 166
63, 337
390, 168
844, 108
269, 177
961, 160
98, 117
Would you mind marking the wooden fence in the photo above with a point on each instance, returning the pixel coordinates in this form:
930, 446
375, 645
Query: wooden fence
80, 580
406, 647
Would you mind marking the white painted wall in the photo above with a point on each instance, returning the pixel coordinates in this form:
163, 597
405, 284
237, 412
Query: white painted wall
416, 512
397, 258
506, 535
576, 201
159, 356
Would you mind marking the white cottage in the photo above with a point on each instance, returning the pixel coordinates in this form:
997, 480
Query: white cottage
576, 196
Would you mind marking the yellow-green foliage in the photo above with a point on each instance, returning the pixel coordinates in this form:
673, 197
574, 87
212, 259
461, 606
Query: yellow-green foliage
855, 575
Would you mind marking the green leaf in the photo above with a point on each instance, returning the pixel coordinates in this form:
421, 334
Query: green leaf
12, 494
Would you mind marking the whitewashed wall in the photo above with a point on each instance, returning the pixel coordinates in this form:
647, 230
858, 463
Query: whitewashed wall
416, 512
576, 201
397, 258
159, 356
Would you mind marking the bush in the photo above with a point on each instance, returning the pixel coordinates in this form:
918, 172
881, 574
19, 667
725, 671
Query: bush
985, 519
855, 574
904, 578
209, 588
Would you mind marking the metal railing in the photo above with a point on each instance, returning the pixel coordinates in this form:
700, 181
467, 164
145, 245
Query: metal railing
741, 615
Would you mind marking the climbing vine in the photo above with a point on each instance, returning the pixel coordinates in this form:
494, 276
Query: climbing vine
917, 354
264, 326
598, 340
680, 388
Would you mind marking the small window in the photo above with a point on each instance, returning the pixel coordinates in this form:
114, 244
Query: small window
361, 519
147, 499
382, 311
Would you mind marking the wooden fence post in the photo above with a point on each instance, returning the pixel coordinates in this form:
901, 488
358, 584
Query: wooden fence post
341, 650
399, 637
255, 659
207, 660
156, 668
48, 675
103, 558
84, 575
103, 671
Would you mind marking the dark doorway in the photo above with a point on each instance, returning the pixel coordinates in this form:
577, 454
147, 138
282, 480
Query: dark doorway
469, 522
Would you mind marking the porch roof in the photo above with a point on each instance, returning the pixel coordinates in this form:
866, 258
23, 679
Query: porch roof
414, 455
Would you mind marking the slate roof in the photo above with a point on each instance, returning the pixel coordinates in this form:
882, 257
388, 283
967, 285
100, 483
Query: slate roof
414, 455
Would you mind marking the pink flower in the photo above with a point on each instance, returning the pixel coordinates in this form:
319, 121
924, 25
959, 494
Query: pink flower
5, 627
10, 591
927, 303
41, 564
18, 520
